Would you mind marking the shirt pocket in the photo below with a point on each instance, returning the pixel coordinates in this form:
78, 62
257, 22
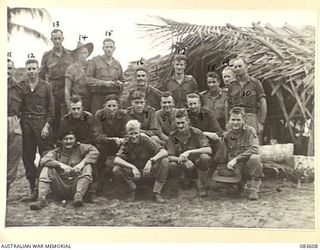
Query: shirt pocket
39, 97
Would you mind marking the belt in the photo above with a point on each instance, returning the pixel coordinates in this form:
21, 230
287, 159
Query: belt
33, 116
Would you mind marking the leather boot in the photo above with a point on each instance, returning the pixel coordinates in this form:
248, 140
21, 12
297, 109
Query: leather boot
254, 189
81, 189
44, 189
157, 188
202, 183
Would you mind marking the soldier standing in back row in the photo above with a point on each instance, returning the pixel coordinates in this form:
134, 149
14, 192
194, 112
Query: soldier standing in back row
104, 76
53, 67
180, 84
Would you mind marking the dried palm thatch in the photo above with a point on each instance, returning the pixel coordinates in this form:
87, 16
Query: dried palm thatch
283, 59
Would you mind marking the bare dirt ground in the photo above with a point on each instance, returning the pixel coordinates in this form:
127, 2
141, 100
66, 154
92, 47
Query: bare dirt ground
282, 205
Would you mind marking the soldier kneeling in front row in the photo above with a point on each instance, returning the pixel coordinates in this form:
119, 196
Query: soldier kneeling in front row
239, 149
66, 171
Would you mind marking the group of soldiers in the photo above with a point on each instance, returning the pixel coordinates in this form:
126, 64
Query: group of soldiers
74, 112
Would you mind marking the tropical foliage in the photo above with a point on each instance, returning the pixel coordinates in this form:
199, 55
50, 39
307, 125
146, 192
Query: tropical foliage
35, 13
283, 59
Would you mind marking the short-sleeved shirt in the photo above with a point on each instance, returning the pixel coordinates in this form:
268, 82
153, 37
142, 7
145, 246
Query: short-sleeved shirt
215, 102
100, 69
139, 153
54, 67
178, 144
14, 98
76, 74
166, 121
82, 127
241, 145
180, 91
247, 96
38, 102
205, 121
148, 120
152, 97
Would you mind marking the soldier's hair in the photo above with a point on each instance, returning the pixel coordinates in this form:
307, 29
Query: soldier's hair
10, 61
132, 125
56, 31
180, 57
193, 95
237, 111
227, 69
214, 75
75, 99
166, 94
141, 68
137, 94
181, 113
108, 40
110, 97
240, 57
32, 61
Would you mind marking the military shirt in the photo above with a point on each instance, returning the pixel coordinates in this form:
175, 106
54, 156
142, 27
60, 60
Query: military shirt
148, 120
247, 96
205, 121
79, 152
82, 127
76, 73
14, 98
139, 153
100, 69
54, 67
105, 127
38, 102
178, 143
215, 102
180, 91
166, 121
240, 145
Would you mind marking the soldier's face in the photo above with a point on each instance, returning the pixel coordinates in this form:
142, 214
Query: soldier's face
76, 109
32, 70
227, 76
182, 124
111, 107
108, 48
68, 141
83, 54
240, 67
167, 103
10, 69
194, 105
141, 78
179, 66
57, 39
236, 121
138, 105
133, 135
213, 83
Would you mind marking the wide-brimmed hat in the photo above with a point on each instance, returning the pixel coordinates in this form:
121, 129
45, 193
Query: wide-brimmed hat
223, 174
81, 45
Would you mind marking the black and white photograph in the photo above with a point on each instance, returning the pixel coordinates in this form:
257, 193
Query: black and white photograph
160, 118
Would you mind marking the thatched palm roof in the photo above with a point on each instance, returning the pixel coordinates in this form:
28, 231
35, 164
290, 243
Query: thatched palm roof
283, 59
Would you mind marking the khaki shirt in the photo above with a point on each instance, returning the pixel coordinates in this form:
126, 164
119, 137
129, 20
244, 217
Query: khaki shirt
180, 91
240, 145
166, 121
247, 96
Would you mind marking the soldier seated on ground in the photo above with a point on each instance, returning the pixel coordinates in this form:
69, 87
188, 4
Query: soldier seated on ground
239, 149
140, 156
66, 171
189, 152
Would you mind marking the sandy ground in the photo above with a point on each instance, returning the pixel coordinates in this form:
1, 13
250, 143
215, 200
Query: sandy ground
282, 205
